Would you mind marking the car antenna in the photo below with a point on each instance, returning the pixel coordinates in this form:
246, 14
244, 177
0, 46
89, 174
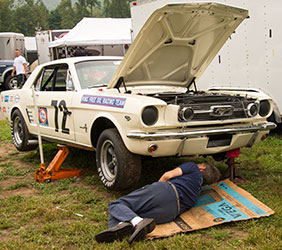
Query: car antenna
121, 82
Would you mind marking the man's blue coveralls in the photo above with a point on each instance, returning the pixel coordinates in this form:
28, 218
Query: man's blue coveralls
159, 200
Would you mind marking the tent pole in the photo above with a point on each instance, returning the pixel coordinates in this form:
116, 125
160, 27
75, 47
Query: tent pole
66, 50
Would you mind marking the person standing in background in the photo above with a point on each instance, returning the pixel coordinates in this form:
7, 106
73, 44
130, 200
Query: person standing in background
20, 66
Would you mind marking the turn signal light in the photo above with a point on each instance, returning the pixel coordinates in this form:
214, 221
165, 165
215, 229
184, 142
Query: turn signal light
264, 137
152, 148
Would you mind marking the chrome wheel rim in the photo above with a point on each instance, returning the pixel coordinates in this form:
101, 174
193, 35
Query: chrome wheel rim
109, 162
18, 131
13, 83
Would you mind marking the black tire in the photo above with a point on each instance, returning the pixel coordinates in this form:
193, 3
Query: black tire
118, 168
10, 83
219, 156
20, 134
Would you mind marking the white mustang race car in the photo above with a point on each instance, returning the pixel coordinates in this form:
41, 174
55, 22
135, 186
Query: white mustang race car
146, 103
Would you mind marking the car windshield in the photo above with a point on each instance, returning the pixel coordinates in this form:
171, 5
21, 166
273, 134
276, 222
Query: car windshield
93, 74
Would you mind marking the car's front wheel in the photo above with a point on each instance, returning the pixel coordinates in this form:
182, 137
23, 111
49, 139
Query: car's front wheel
117, 167
20, 132
10, 83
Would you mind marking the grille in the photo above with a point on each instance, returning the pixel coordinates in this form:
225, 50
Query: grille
227, 110
209, 107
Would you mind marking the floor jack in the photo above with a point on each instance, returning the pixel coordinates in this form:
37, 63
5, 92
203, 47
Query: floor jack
232, 171
53, 171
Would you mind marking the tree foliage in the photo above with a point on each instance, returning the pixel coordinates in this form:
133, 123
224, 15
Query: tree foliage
25, 16
6, 15
29, 15
116, 8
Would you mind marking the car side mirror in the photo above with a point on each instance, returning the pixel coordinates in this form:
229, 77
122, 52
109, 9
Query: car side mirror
70, 86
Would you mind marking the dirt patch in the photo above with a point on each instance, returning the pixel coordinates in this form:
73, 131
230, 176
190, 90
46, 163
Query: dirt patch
11, 181
7, 149
25, 191
236, 232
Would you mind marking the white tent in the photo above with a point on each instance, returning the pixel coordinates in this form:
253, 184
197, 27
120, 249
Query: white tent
97, 31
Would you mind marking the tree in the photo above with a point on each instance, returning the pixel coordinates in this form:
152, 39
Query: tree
30, 15
116, 8
6, 23
81, 10
92, 4
66, 13
54, 20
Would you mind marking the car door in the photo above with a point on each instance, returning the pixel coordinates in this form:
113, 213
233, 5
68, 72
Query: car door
54, 102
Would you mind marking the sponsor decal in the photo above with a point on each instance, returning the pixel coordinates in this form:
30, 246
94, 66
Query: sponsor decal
103, 101
8, 109
4, 109
11, 98
17, 98
43, 116
2, 98
6, 98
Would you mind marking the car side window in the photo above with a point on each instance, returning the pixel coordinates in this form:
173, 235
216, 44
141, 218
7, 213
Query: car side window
53, 78
47, 80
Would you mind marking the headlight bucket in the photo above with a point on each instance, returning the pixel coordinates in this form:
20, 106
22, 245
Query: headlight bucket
252, 109
150, 115
185, 114
264, 108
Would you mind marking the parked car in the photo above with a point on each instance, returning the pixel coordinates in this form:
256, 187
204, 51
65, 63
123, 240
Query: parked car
146, 104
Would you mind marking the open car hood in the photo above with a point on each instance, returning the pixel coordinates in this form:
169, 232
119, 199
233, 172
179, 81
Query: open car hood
177, 43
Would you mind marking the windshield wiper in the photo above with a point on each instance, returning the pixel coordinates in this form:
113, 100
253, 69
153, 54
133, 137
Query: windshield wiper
98, 85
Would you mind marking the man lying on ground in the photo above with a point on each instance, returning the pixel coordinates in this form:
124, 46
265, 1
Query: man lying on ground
137, 213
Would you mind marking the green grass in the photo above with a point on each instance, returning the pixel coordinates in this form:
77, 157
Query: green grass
17, 186
5, 134
30, 219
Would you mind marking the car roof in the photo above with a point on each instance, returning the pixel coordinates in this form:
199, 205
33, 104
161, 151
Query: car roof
82, 59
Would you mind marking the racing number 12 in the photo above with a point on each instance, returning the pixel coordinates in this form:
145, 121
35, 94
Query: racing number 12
63, 108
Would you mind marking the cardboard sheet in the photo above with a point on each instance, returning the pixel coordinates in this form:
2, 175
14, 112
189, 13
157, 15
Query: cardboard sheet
219, 203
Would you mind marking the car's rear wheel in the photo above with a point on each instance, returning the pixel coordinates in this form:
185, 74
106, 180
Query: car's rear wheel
117, 167
20, 132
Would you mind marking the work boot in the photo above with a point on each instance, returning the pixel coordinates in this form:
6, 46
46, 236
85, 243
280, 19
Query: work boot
142, 229
115, 233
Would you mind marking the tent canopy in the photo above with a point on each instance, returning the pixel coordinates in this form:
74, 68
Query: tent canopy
97, 31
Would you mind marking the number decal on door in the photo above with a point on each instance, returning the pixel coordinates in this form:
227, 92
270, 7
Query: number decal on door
63, 108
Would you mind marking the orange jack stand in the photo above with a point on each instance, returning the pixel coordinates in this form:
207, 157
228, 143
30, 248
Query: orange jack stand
53, 171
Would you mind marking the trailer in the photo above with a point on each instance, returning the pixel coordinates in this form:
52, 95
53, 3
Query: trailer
251, 59
9, 41
43, 38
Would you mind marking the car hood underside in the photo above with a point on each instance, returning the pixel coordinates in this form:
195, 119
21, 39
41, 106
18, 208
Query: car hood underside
177, 43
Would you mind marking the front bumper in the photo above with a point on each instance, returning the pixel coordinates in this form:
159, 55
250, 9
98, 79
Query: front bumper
157, 136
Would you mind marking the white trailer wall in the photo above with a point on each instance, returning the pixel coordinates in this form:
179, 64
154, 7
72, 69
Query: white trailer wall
251, 58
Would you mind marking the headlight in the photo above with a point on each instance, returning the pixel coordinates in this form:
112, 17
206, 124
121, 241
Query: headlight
264, 108
150, 115
252, 109
185, 114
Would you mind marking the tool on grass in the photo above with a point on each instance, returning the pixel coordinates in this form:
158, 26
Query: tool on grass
234, 173
53, 171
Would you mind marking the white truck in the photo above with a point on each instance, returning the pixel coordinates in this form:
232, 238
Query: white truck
251, 59
9, 41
